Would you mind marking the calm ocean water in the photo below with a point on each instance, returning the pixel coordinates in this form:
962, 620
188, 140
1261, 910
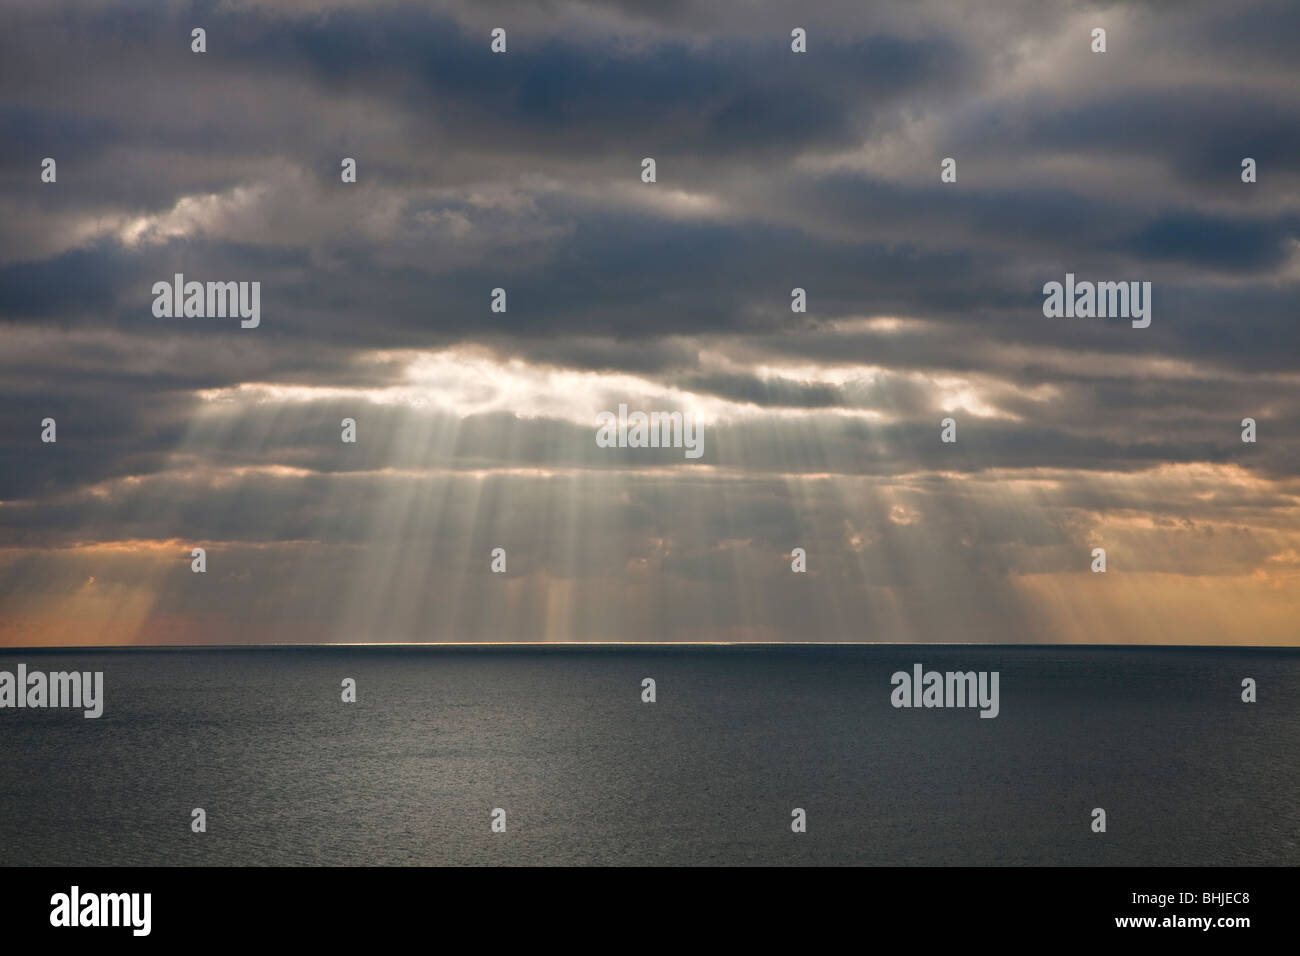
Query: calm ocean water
588, 774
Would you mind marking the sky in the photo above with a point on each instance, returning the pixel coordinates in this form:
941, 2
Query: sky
774, 170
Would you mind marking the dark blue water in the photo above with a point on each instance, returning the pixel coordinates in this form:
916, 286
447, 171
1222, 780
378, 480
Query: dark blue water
588, 774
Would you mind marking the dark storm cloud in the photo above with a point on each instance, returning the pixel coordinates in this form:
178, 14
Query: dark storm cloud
551, 97
1217, 242
76, 283
56, 131
1198, 131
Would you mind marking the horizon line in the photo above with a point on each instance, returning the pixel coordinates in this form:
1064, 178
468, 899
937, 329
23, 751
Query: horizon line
575, 645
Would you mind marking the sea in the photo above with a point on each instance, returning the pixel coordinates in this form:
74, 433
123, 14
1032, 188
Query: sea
558, 746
